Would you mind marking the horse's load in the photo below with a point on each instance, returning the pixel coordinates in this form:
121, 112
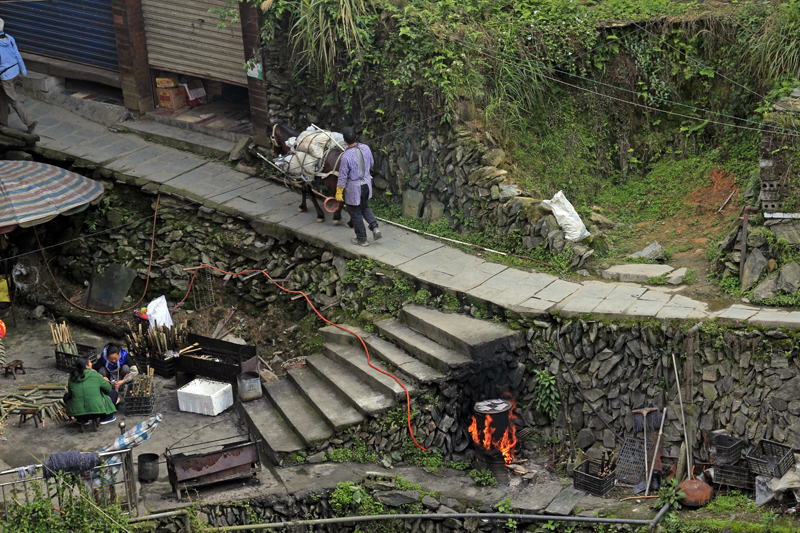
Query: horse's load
309, 149
317, 142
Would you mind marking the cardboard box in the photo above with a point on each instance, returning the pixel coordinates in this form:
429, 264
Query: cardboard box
213, 88
165, 82
195, 93
171, 97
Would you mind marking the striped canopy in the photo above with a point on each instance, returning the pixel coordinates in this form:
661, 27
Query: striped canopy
33, 193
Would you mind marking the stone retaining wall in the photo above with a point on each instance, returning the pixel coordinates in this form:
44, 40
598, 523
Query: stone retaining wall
744, 379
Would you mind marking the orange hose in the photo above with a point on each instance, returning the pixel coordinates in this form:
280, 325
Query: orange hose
146, 283
369, 360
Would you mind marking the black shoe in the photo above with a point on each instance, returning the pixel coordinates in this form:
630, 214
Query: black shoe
33, 126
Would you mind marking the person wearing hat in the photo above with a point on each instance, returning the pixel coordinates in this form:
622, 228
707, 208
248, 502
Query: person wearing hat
11, 66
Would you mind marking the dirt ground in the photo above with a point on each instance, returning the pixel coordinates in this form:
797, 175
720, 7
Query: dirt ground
689, 234
30, 340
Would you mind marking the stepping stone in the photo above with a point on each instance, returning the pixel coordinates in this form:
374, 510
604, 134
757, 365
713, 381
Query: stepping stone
636, 272
537, 497
565, 502
364, 398
469, 336
429, 352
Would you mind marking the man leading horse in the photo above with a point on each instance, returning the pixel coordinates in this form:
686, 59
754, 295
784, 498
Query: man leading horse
354, 187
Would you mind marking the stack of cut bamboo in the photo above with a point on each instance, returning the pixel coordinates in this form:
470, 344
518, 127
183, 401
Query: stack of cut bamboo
143, 386
47, 399
62, 338
155, 342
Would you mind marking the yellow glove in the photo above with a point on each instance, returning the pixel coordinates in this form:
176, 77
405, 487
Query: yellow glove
339, 194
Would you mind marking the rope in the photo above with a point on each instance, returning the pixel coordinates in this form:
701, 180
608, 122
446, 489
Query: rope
147, 279
72, 462
313, 308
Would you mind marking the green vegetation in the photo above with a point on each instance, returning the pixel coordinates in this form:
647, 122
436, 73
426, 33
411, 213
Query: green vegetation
432, 460
77, 510
732, 502
669, 493
483, 477
357, 453
547, 397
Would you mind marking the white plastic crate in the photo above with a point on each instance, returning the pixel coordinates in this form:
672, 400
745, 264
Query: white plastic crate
205, 397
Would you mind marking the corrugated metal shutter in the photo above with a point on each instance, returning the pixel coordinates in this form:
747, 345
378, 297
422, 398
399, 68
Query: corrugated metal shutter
77, 30
182, 36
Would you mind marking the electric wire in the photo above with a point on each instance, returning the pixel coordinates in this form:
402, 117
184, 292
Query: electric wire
313, 308
147, 278
510, 58
687, 56
490, 52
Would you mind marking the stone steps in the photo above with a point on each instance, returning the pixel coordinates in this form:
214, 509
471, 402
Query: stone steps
176, 137
276, 438
364, 398
337, 411
429, 352
471, 337
338, 388
301, 416
355, 361
415, 369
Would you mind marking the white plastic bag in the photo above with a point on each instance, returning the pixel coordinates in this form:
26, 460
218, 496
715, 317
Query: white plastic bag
298, 163
318, 141
572, 225
158, 313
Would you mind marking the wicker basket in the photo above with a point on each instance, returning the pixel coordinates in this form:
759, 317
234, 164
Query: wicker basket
586, 478
66, 361
768, 458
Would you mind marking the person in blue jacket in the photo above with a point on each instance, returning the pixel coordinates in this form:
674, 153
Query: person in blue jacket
114, 365
11, 66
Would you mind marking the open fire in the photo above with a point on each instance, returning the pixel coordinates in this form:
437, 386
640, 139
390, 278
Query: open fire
493, 427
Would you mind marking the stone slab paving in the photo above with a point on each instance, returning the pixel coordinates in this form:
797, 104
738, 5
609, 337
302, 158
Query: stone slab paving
271, 207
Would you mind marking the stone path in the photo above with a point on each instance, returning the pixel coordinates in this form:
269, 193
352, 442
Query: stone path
272, 209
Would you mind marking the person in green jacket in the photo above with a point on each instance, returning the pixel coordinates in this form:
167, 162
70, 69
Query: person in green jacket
90, 394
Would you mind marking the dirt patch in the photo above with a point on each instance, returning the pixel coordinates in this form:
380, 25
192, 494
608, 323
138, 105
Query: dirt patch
689, 234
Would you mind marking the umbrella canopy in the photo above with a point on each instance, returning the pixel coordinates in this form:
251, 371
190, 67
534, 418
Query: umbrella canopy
32, 193
129, 439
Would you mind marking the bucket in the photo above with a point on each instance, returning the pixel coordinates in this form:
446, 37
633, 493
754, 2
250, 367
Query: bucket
148, 467
249, 385
331, 204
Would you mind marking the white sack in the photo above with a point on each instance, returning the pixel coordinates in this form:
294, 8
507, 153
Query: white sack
158, 313
318, 141
567, 218
297, 163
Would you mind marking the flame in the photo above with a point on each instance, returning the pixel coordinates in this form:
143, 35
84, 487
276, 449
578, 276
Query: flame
485, 439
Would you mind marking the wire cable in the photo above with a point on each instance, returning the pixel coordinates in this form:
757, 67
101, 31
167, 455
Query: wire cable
314, 308
760, 124
147, 278
687, 56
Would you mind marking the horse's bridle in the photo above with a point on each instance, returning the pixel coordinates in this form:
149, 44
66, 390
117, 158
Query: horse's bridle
272, 137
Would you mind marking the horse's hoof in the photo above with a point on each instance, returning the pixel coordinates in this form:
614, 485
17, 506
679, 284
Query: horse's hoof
301, 210
320, 220
336, 222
